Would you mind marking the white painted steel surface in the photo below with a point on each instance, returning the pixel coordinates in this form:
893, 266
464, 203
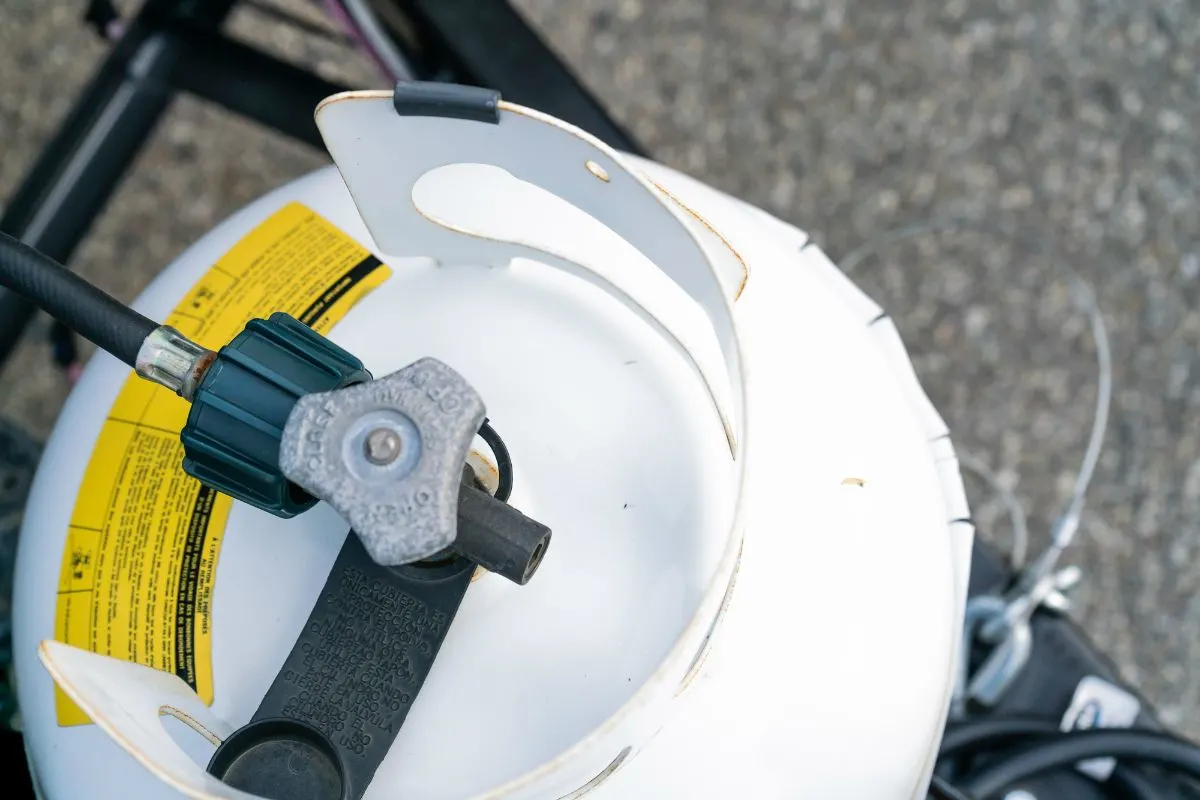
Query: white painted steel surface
653, 417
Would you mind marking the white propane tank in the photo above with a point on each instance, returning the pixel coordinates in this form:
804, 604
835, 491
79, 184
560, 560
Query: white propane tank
761, 539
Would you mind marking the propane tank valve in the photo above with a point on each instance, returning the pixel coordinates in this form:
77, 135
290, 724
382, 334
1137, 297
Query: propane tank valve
282, 417
232, 436
402, 507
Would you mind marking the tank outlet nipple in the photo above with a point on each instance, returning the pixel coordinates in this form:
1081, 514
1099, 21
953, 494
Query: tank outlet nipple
497, 536
170, 359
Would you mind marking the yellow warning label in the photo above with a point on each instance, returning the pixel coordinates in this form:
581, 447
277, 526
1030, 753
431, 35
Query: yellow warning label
141, 553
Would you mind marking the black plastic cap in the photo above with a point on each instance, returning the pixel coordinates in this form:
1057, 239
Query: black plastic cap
451, 100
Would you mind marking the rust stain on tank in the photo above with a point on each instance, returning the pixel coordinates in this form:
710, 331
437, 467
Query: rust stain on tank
696, 215
487, 473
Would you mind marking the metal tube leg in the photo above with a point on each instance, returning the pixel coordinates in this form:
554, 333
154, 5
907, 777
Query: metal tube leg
85, 162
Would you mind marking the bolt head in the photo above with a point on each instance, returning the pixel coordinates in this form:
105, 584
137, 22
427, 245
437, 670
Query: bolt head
382, 446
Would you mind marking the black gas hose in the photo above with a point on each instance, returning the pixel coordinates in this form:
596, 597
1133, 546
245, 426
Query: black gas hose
90, 312
941, 789
990, 734
994, 735
1065, 749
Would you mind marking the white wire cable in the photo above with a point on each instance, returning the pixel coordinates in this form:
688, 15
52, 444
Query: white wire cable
360, 22
1067, 525
1065, 529
1016, 512
384, 48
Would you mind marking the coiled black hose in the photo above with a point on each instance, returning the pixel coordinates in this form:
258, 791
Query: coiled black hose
94, 315
940, 789
1068, 748
989, 735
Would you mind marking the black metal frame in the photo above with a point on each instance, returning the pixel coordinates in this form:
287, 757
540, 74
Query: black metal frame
177, 46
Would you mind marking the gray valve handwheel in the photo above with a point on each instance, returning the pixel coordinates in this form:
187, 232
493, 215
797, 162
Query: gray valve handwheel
388, 456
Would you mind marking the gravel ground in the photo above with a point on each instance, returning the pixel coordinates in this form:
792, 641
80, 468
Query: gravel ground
1077, 123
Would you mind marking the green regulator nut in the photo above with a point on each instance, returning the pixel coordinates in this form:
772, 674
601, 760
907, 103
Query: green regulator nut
241, 405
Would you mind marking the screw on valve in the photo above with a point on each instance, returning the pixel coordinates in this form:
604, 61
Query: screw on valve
388, 456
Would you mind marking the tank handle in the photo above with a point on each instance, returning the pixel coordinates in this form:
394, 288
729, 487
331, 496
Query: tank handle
675, 270
128, 702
